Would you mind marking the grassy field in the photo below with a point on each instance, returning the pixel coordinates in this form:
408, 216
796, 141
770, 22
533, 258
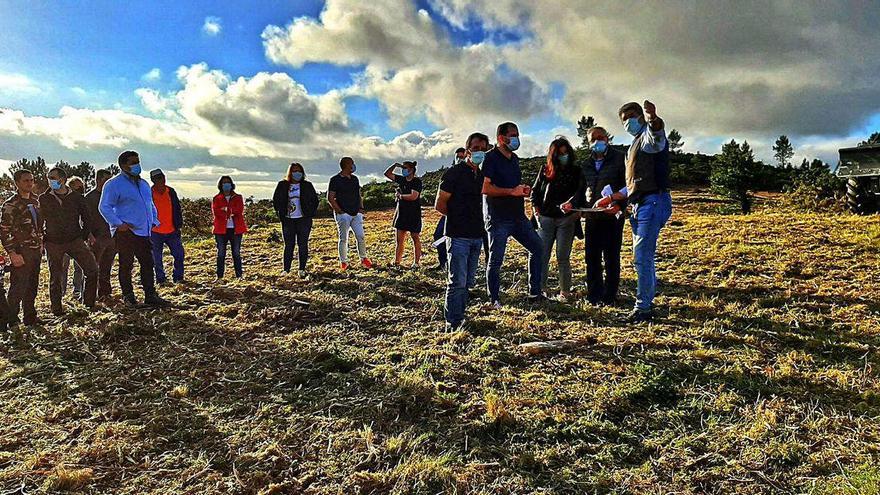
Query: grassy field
758, 376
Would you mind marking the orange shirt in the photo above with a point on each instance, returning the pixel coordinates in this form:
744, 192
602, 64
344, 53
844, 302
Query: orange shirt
166, 216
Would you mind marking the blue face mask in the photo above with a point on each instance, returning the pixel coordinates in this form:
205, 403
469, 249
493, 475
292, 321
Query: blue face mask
227, 187
599, 147
405, 172
353, 168
632, 126
297, 176
136, 169
513, 145
54, 184
477, 157
563, 159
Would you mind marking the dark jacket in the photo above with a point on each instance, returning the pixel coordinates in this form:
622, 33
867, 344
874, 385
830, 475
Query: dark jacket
176, 211
97, 225
548, 196
612, 173
308, 199
66, 217
17, 227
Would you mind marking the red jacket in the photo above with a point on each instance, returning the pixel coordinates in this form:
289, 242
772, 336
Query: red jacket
234, 208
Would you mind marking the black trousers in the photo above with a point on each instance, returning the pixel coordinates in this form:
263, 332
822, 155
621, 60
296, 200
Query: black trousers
296, 232
131, 246
603, 239
79, 252
104, 250
23, 283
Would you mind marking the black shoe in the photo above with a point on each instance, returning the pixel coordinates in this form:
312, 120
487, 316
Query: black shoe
155, 300
130, 301
609, 301
57, 312
454, 327
640, 316
540, 298
36, 322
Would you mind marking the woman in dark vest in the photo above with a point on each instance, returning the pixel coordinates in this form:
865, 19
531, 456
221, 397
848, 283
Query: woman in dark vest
296, 203
408, 215
558, 183
604, 173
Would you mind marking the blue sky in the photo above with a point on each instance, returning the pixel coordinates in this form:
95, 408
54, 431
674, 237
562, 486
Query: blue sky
396, 79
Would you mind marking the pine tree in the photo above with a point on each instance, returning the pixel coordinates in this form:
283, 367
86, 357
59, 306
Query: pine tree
733, 171
675, 142
584, 125
783, 151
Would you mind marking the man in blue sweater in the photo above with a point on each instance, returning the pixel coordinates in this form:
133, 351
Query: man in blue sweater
127, 205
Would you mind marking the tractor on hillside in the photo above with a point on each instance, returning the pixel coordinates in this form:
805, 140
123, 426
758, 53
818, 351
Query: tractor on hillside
861, 168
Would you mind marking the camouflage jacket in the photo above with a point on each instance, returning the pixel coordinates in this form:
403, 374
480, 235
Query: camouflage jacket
20, 224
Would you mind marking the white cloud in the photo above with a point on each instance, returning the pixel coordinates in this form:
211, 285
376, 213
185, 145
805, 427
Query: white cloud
212, 26
203, 170
412, 67
17, 84
152, 75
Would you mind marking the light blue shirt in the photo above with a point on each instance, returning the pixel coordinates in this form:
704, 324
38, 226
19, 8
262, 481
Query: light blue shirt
128, 199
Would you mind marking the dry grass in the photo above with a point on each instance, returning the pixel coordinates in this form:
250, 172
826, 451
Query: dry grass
758, 377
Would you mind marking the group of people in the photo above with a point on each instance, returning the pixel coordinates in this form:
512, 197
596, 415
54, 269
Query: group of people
121, 216
481, 197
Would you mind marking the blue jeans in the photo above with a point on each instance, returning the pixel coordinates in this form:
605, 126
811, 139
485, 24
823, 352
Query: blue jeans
174, 244
464, 255
523, 232
233, 239
646, 220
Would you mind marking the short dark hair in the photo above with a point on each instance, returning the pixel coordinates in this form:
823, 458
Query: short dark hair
630, 106
20, 173
461, 150
60, 171
476, 135
125, 155
102, 172
412, 164
220, 182
505, 127
345, 159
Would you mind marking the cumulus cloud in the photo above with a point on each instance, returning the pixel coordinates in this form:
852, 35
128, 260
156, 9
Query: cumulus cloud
212, 26
411, 66
152, 75
713, 68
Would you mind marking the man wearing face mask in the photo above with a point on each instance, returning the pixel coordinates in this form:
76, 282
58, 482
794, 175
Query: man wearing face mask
458, 199
460, 156
647, 188
604, 174
504, 211
66, 217
127, 206
168, 231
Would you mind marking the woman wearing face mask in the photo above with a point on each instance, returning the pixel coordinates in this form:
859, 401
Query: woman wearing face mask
296, 203
229, 224
408, 215
557, 184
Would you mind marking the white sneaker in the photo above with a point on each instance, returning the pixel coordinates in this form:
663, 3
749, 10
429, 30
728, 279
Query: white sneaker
496, 304
303, 275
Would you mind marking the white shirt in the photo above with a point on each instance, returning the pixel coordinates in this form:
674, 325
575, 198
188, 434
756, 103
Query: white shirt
294, 207
230, 224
